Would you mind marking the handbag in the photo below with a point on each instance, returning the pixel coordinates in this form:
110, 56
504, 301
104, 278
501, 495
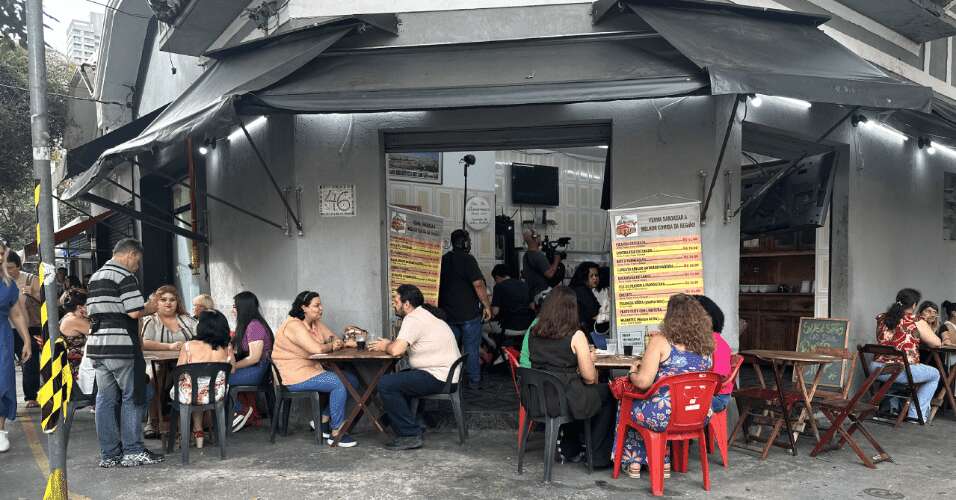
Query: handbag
621, 385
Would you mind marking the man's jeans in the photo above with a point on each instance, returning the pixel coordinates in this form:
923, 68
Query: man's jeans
114, 386
469, 334
926, 378
395, 390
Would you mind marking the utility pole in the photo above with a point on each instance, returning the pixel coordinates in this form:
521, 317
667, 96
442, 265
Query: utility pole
56, 449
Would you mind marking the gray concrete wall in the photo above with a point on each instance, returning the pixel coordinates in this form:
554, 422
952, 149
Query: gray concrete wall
160, 85
887, 215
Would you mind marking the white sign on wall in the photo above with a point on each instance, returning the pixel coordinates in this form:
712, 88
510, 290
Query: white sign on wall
477, 213
337, 200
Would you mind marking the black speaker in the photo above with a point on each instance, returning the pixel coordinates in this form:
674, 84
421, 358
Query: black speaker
505, 243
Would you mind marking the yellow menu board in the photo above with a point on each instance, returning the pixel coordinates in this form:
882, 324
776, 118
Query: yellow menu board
414, 251
656, 253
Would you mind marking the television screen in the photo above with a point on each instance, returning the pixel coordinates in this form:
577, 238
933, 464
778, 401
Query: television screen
798, 201
534, 185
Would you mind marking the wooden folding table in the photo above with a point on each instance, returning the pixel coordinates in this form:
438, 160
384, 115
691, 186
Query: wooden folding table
941, 357
365, 363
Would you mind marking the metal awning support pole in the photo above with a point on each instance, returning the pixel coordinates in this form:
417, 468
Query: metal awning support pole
720, 158
146, 219
147, 202
233, 206
793, 164
262, 161
84, 212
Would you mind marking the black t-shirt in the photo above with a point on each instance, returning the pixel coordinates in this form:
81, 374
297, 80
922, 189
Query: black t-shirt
456, 292
511, 298
535, 265
588, 307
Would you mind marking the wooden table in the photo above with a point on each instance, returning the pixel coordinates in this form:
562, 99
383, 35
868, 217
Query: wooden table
609, 361
364, 363
779, 360
947, 376
160, 361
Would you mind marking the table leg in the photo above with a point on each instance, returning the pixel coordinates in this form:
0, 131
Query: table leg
785, 410
155, 403
361, 401
947, 376
807, 411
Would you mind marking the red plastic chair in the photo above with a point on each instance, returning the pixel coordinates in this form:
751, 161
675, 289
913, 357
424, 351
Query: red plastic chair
513, 356
717, 428
691, 395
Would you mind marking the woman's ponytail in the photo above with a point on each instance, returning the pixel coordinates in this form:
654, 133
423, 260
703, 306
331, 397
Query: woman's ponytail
905, 299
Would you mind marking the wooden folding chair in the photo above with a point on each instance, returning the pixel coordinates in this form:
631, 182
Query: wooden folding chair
844, 391
838, 411
910, 386
760, 405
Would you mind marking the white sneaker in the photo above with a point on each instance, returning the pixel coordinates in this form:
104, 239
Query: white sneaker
4, 441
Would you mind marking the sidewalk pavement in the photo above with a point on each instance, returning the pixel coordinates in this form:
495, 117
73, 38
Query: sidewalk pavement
295, 467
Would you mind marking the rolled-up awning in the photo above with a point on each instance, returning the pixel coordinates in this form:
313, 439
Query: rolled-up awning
206, 108
533, 71
747, 50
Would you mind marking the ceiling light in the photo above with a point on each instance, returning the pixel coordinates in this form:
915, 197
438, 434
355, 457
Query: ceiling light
756, 101
887, 131
236, 134
203, 150
794, 102
603, 146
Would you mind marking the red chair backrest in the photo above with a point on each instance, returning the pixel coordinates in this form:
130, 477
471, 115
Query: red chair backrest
691, 395
736, 361
513, 355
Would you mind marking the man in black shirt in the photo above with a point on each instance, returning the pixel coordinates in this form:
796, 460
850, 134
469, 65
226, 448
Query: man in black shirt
537, 271
509, 303
461, 294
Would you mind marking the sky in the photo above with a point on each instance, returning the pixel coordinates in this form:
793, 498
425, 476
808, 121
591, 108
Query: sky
65, 11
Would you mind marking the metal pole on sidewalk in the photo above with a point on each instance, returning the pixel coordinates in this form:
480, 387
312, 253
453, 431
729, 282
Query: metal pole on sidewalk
43, 198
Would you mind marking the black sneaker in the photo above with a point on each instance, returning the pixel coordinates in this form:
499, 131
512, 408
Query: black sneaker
144, 457
405, 443
109, 463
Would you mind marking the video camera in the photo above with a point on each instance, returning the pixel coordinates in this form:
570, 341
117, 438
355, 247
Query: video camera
552, 248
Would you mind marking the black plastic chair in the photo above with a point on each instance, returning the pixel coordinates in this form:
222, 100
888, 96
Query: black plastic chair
195, 371
450, 392
283, 405
544, 400
265, 388
907, 391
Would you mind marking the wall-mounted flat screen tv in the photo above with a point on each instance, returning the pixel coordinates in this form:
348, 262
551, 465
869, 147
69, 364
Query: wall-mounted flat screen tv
534, 185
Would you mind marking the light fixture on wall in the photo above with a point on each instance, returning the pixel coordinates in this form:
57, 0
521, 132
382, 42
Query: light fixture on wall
926, 144
203, 150
756, 101
236, 134
879, 127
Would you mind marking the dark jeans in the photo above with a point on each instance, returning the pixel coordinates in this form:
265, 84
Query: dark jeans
397, 388
602, 431
469, 334
31, 369
720, 402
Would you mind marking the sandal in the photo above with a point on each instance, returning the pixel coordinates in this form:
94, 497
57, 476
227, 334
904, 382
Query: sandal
634, 470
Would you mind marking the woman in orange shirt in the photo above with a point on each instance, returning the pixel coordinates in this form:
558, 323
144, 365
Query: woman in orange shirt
299, 337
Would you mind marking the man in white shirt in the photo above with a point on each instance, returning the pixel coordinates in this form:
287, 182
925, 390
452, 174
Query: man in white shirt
432, 350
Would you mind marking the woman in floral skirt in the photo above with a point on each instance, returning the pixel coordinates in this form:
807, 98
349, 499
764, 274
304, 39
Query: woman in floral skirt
685, 344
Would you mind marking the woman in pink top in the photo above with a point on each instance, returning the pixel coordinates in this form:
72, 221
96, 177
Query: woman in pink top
721, 353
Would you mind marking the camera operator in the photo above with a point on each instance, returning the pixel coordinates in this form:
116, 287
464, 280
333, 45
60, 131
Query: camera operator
537, 271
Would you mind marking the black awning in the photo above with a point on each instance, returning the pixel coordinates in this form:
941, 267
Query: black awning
81, 158
573, 69
206, 108
747, 50
938, 126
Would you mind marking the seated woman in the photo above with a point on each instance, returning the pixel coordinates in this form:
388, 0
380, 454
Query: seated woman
899, 328
166, 330
209, 345
584, 282
557, 345
947, 332
252, 344
721, 353
928, 311
202, 302
685, 344
300, 337
75, 326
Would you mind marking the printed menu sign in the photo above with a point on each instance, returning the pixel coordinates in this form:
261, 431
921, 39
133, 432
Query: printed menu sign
656, 253
414, 251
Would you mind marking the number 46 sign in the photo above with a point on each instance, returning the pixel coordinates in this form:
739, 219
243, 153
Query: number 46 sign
337, 200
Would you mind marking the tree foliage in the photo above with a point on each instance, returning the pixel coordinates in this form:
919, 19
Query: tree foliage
17, 215
13, 21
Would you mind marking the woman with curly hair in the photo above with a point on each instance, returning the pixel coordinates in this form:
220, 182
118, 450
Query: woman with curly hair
686, 344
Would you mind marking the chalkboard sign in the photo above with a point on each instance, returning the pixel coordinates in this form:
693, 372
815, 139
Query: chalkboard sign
822, 335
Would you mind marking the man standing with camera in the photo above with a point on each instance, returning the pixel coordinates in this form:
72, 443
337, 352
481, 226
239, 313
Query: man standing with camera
537, 271
461, 294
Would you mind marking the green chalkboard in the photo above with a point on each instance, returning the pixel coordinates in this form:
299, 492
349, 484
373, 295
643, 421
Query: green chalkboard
823, 335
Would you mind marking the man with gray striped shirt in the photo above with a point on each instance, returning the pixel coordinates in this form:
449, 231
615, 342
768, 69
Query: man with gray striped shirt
115, 304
